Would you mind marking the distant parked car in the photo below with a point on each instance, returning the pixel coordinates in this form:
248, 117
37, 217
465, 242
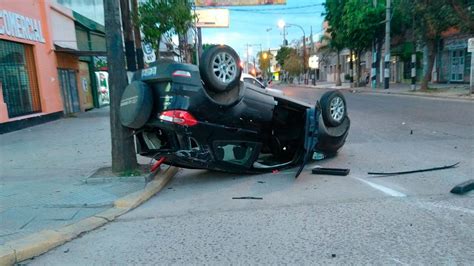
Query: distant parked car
249, 79
208, 118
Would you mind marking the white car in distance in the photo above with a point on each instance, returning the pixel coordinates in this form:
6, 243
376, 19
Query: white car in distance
247, 78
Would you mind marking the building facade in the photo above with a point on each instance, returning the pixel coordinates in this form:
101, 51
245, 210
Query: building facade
29, 82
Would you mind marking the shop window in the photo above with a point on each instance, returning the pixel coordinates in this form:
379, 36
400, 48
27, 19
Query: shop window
18, 78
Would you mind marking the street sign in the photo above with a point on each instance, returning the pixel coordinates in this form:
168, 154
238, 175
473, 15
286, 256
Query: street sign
148, 53
470, 45
212, 18
238, 2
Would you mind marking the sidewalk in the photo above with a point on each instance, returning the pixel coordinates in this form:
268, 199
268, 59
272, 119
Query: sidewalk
45, 170
451, 91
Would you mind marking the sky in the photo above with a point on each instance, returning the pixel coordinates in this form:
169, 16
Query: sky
249, 24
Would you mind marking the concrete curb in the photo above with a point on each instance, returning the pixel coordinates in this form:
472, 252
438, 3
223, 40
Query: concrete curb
38, 243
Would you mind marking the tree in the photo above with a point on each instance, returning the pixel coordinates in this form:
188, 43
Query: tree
158, 18
264, 59
361, 22
123, 150
336, 40
293, 63
429, 26
283, 54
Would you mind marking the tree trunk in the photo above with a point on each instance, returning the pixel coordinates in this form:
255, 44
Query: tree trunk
432, 48
338, 69
123, 149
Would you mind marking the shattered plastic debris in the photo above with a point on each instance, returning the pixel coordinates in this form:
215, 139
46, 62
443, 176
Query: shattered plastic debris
318, 156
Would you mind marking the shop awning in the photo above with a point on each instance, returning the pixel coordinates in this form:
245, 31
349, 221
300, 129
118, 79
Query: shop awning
60, 49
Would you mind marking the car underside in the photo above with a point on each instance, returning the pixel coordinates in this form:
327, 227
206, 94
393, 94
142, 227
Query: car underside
180, 113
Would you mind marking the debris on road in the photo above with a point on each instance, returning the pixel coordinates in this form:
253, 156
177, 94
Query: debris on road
157, 164
330, 171
463, 187
261, 182
255, 198
414, 171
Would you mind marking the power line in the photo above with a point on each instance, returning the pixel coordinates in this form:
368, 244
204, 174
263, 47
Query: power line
271, 9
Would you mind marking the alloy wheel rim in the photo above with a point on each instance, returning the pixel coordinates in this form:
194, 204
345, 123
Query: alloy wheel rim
224, 67
337, 108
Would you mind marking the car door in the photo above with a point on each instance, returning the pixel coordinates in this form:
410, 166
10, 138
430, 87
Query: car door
310, 138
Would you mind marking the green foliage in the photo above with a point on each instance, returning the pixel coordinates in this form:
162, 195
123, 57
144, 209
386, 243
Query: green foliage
206, 46
361, 22
264, 59
334, 16
158, 18
283, 54
293, 63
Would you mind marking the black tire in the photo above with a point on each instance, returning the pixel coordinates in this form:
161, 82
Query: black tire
220, 68
334, 108
136, 105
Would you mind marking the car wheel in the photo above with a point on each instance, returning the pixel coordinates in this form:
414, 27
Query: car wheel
333, 107
136, 105
220, 68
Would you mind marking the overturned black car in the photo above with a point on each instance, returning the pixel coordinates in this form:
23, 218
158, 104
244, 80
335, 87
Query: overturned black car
205, 117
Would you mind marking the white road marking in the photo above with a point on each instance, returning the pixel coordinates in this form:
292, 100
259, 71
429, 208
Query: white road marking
386, 190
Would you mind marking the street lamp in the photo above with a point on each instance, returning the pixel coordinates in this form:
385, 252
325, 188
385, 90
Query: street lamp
283, 24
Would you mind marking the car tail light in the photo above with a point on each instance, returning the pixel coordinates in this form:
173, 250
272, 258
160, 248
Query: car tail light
179, 117
181, 73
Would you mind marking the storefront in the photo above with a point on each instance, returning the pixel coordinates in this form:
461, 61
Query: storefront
29, 85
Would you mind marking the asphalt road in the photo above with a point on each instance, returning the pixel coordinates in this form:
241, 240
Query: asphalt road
356, 219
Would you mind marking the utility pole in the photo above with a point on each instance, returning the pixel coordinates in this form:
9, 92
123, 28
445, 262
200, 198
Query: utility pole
247, 60
138, 38
128, 35
387, 46
123, 149
304, 60
373, 75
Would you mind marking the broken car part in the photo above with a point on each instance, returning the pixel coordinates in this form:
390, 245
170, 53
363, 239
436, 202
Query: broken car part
330, 171
414, 171
464, 187
255, 198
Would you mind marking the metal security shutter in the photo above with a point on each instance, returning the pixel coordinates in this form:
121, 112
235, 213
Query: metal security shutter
18, 78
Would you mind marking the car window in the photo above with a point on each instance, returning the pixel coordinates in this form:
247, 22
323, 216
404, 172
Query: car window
254, 82
239, 153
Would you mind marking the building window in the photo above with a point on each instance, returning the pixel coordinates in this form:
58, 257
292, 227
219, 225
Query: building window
18, 78
457, 65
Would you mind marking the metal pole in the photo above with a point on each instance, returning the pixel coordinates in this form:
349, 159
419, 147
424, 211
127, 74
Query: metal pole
128, 35
304, 60
387, 46
471, 84
138, 38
